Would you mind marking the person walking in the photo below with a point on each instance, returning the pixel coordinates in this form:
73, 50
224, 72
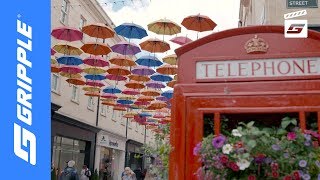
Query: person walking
128, 174
85, 173
69, 173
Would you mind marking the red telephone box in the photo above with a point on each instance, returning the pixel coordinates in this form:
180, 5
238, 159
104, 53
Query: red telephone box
247, 70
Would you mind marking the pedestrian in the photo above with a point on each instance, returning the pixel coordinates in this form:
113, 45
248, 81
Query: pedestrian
85, 173
128, 174
69, 173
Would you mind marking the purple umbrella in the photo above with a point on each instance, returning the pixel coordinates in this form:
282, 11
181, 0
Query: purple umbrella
126, 48
116, 77
162, 98
143, 71
155, 84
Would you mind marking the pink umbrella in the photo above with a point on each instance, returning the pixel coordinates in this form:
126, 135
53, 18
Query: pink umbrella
116, 77
96, 61
158, 115
142, 103
95, 83
71, 69
53, 52
181, 40
109, 96
130, 91
67, 34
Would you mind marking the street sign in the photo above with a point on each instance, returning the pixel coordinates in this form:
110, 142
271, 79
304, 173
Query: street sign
302, 3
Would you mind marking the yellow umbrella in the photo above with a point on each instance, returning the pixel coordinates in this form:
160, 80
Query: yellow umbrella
127, 98
171, 59
94, 70
53, 61
90, 88
164, 27
68, 75
67, 49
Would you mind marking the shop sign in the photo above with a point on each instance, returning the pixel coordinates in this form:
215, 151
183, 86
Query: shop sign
260, 68
110, 142
302, 3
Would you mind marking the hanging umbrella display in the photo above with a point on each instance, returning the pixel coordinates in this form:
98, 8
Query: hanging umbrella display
136, 77
67, 34
131, 31
162, 98
76, 81
53, 61
161, 77
155, 45
125, 48
71, 69
67, 49
70, 60
96, 48
157, 105
53, 52
155, 84
112, 90
108, 103
168, 94
118, 70
145, 98
164, 27
116, 77
68, 75
150, 92
96, 61
142, 103
91, 89
94, 70
55, 69
95, 83
93, 94
171, 59
98, 30
134, 85
122, 61
168, 69
95, 77
171, 83
149, 61
181, 40
109, 96
130, 91
143, 71
124, 101
198, 23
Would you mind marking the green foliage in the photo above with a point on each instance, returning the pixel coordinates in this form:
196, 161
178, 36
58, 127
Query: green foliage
95, 175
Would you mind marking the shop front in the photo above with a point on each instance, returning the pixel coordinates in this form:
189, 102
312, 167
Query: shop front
246, 72
110, 155
134, 156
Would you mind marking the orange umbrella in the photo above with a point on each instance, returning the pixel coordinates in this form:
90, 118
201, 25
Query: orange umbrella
171, 59
55, 69
76, 81
93, 93
122, 61
165, 27
96, 48
150, 92
67, 49
134, 85
118, 108
198, 23
158, 105
90, 88
155, 45
98, 30
145, 98
168, 69
171, 83
136, 77
108, 103
119, 71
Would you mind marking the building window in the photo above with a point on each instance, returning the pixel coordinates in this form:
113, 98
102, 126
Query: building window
75, 94
129, 123
137, 127
64, 11
55, 83
82, 23
114, 116
90, 103
103, 110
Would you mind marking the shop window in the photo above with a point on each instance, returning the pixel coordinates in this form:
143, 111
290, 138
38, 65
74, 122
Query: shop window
75, 94
90, 103
109, 163
55, 83
64, 12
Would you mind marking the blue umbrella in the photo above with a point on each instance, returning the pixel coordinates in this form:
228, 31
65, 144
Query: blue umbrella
168, 94
124, 101
161, 77
95, 77
131, 30
70, 60
145, 114
150, 61
112, 90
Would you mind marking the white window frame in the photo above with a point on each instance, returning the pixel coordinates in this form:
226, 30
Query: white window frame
75, 98
64, 11
90, 103
57, 83
82, 22
103, 110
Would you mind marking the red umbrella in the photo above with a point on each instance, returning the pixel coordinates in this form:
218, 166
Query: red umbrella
67, 33
96, 61
198, 23
181, 40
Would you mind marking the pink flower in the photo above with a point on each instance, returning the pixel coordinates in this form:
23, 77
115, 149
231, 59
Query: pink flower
251, 177
275, 174
224, 159
291, 136
234, 166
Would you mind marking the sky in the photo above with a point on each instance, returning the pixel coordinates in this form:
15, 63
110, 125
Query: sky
224, 13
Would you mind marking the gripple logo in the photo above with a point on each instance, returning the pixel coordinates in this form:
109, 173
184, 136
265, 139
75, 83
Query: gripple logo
22, 136
295, 28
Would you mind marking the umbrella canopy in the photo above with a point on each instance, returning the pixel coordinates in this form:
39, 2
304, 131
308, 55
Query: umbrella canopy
55, 69
155, 84
91, 89
168, 69
155, 45
171, 59
95, 77
116, 77
131, 31
76, 81
168, 94
67, 49
134, 85
136, 77
98, 30
68, 75
164, 27
149, 61
95, 83
125, 48
112, 90
130, 91
130, 114
171, 83
198, 23
143, 70
118, 70
70, 60
52, 52
162, 98
145, 98
161, 77
150, 92
53, 61
109, 96
142, 103
127, 98
108, 103
94, 70
157, 105
96, 61
122, 61
181, 40
124, 101
67, 33
96, 48
71, 69
93, 94
158, 115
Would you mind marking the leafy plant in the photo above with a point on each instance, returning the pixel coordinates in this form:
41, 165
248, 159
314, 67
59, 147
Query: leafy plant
95, 175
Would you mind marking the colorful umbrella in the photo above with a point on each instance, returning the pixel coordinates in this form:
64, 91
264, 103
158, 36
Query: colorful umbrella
125, 48
162, 98
122, 61
67, 33
127, 98
94, 70
155, 45
95, 77
95, 83
168, 94
130, 114
171, 59
68, 75
198, 23
70, 60
136, 77
124, 101
155, 84
158, 115
53, 61
93, 94
142, 103
55, 69
165, 27
131, 31
149, 61
109, 96
76, 81
145, 98
171, 83
130, 92
67, 49
116, 77
117, 108
150, 92
96, 61
181, 40
134, 85
52, 52
98, 30
143, 70
158, 105
71, 69
168, 69
91, 89
161, 77
117, 70
112, 90
96, 48
108, 103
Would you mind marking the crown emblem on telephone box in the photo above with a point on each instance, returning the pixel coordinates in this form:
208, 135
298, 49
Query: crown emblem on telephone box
256, 45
